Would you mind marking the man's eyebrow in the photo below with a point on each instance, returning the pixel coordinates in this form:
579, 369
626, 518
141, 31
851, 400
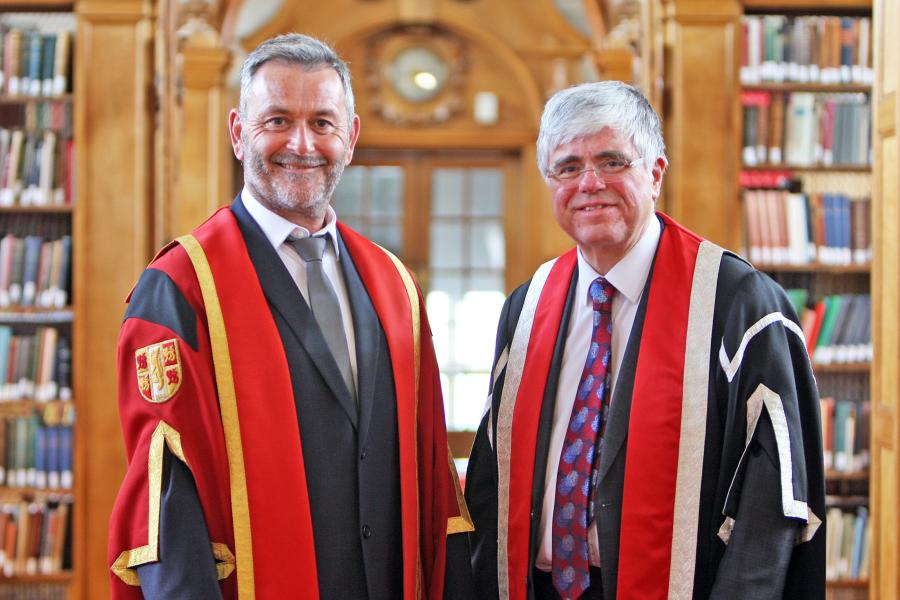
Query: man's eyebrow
574, 158
569, 158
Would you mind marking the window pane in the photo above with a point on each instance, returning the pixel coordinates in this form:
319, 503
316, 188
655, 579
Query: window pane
475, 326
470, 392
446, 248
486, 245
487, 192
487, 282
387, 190
348, 194
388, 235
447, 192
445, 291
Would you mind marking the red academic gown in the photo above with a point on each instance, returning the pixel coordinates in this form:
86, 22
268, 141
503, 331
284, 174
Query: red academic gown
196, 395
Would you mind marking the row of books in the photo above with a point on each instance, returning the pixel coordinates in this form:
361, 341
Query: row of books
837, 328
35, 536
54, 114
36, 168
35, 366
847, 541
35, 62
784, 227
34, 590
845, 434
806, 128
34, 271
806, 49
34, 454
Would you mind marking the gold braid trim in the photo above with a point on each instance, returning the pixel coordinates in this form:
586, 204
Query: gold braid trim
413, 293
240, 507
124, 567
463, 522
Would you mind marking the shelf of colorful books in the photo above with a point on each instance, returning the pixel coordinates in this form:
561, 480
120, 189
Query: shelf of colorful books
836, 88
53, 409
22, 99
35, 5
39, 316
809, 168
31, 493
814, 267
818, 6
833, 475
64, 577
53, 209
845, 368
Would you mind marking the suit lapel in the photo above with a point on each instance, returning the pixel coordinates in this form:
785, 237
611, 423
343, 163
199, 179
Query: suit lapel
366, 331
286, 299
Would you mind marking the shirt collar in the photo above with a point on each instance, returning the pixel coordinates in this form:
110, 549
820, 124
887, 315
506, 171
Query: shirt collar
277, 229
628, 275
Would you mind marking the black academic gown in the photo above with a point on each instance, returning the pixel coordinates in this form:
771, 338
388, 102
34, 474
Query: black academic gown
762, 558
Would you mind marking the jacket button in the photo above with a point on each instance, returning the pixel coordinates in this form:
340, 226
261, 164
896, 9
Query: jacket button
363, 454
366, 531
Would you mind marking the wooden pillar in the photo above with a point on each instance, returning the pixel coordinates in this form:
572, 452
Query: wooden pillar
202, 145
885, 398
114, 161
701, 116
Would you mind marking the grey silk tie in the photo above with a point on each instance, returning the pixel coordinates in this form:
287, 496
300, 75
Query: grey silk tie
324, 304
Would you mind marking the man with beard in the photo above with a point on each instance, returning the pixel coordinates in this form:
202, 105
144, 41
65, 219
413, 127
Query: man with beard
278, 388
653, 428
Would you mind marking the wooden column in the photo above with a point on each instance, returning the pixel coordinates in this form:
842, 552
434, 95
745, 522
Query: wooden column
701, 117
885, 495
114, 140
202, 145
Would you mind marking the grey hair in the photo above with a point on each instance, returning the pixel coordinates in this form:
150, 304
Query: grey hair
295, 49
587, 108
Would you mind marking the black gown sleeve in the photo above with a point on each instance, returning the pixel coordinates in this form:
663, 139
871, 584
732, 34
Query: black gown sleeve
458, 584
774, 506
186, 568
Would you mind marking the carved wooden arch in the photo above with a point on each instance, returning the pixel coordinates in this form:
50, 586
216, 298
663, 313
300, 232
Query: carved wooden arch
370, 23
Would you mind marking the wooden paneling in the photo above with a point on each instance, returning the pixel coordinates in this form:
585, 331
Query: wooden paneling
700, 115
885, 308
113, 132
202, 149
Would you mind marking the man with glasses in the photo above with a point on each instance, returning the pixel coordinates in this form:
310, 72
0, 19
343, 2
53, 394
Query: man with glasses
652, 427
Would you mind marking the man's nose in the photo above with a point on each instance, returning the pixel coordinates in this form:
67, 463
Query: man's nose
590, 182
301, 139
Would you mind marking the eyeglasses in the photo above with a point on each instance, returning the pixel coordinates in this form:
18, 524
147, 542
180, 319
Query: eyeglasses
608, 169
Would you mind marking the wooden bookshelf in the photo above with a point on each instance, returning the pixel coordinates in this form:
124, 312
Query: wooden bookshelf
36, 500
813, 267
848, 491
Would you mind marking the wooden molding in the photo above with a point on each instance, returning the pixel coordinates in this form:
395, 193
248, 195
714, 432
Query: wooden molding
123, 11
886, 114
488, 138
203, 67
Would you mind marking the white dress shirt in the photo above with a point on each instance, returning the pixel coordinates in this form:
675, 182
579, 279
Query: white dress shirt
278, 229
628, 276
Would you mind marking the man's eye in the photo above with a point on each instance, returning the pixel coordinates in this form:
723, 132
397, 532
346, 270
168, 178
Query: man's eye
323, 125
276, 122
568, 169
613, 164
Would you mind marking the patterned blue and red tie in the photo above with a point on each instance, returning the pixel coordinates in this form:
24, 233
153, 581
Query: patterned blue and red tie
580, 457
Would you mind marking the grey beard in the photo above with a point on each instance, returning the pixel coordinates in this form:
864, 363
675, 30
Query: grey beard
287, 197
